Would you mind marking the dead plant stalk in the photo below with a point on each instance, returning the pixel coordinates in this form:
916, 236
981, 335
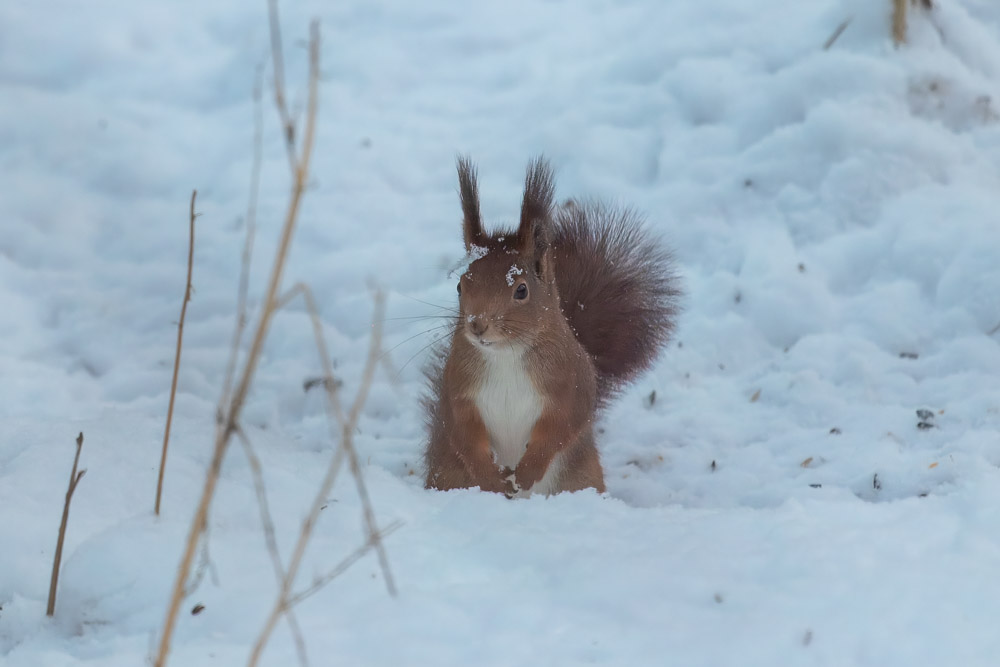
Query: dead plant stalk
267, 523
74, 479
899, 21
335, 413
251, 224
278, 61
236, 402
284, 602
900, 17
177, 357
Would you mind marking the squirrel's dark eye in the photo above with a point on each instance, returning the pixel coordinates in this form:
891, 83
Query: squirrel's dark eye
459, 287
521, 292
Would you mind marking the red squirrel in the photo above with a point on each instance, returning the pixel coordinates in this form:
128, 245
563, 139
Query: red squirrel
554, 319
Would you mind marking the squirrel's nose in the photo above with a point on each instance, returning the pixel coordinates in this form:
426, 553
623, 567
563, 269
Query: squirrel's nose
477, 325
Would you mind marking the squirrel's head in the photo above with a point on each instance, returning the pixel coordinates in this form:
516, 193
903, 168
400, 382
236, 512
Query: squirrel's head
508, 295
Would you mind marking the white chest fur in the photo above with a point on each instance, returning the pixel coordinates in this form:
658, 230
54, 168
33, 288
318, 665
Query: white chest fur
508, 403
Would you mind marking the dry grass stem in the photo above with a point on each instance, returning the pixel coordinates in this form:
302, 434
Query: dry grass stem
177, 358
342, 566
300, 175
278, 61
74, 479
251, 222
346, 449
899, 21
837, 33
257, 472
242, 387
204, 566
327, 380
335, 410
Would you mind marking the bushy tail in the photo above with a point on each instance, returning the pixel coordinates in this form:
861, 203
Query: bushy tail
618, 289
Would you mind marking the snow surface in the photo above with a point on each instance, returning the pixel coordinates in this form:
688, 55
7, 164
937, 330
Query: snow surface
834, 217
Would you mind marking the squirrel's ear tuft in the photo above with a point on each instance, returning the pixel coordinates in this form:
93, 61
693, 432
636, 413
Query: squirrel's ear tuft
536, 208
468, 189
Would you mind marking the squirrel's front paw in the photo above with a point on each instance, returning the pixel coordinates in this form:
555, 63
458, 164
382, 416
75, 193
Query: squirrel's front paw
510, 482
525, 476
500, 480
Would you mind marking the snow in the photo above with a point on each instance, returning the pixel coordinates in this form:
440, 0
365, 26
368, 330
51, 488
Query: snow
833, 215
514, 270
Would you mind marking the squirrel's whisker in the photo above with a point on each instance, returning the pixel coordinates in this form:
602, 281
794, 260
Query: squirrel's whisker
409, 338
451, 309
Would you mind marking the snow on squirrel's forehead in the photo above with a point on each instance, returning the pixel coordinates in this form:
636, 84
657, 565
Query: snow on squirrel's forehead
477, 252
462, 266
514, 270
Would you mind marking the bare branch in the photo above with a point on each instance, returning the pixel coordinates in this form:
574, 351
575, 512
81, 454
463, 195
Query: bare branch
837, 33
177, 358
335, 410
375, 346
278, 60
267, 523
329, 382
204, 566
74, 479
899, 21
341, 567
237, 401
346, 448
251, 221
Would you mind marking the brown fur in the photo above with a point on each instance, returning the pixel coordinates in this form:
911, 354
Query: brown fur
616, 313
618, 291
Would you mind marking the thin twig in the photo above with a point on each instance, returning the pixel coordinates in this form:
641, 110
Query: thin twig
267, 523
837, 33
241, 298
345, 448
204, 565
278, 60
329, 381
177, 358
335, 410
341, 567
253, 357
352, 453
899, 21
74, 479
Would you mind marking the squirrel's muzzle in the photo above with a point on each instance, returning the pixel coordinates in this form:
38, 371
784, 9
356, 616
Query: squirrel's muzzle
477, 325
